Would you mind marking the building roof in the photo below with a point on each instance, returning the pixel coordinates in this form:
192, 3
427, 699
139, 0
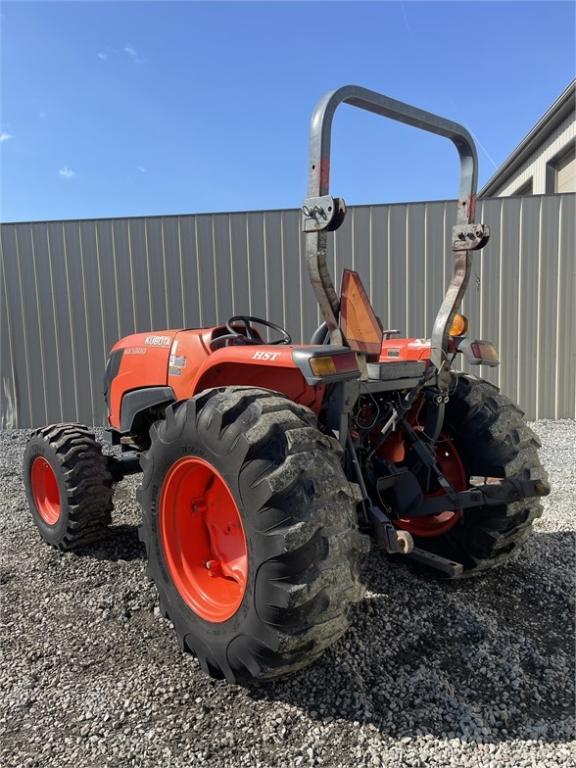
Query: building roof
562, 108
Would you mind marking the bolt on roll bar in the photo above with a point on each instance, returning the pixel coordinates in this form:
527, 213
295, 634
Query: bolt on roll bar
322, 213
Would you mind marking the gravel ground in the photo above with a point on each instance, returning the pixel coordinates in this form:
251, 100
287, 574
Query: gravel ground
431, 674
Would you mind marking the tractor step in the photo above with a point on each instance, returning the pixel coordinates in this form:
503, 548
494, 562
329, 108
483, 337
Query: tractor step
449, 567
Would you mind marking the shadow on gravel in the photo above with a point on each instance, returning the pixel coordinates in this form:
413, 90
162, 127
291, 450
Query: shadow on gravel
121, 543
486, 659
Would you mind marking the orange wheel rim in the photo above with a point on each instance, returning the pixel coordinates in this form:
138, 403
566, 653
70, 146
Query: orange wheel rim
203, 539
451, 466
45, 490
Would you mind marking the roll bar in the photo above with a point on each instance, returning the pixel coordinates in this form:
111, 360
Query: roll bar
322, 213
321, 135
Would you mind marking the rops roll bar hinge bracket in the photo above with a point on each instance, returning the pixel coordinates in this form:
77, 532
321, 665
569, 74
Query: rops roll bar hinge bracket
323, 213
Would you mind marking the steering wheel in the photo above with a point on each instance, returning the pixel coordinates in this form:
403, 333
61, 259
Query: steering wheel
251, 336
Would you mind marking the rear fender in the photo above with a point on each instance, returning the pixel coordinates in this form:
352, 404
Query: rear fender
283, 369
290, 382
265, 366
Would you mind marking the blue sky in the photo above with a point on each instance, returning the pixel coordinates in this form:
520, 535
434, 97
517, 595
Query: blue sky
115, 109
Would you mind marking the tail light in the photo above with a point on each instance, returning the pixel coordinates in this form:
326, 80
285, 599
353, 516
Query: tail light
479, 352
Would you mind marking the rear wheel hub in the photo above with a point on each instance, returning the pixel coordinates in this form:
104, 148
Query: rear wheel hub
203, 539
451, 466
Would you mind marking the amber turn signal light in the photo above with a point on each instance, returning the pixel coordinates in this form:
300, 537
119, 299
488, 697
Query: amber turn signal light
323, 366
459, 325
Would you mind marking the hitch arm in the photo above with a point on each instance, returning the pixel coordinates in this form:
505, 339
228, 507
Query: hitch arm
489, 495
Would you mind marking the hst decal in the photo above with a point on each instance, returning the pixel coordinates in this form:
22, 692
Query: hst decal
265, 355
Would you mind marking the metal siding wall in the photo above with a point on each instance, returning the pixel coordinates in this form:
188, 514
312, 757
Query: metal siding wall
70, 289
565, 395
534, 168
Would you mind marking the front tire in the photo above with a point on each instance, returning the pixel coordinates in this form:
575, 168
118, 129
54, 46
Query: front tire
68, 485
260, 456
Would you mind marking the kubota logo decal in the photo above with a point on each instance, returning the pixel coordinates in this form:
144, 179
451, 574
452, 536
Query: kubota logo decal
265, 355
158, 341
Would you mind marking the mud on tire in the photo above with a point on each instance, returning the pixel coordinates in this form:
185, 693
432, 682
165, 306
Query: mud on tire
81, 485
299, 517
493, 440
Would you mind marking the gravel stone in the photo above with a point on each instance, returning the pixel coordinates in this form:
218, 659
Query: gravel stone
471, 674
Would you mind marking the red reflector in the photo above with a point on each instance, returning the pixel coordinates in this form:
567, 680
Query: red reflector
345, 363
357, 318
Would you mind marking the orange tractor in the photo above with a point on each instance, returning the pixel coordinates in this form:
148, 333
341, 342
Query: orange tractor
268, 467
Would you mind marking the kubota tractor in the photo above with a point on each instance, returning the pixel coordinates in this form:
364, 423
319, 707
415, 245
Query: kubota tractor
268, 467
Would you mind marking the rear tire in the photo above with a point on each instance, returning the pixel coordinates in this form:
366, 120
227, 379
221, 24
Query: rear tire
298, 514
493, 440
68, 485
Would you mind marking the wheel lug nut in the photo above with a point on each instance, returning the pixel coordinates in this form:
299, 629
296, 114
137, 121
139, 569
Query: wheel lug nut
213, 567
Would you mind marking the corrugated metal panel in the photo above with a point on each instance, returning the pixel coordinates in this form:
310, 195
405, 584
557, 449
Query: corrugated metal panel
70, 289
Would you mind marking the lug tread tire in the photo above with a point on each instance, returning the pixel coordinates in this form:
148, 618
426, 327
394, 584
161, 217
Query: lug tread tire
84, 481
301, 513
492, 437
